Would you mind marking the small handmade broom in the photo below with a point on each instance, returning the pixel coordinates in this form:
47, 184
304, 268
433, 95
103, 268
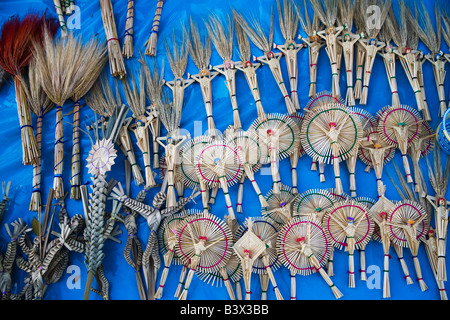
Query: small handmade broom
153, 39
128, 46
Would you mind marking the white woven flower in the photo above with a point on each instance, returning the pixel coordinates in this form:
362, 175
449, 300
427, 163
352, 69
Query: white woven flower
101, 157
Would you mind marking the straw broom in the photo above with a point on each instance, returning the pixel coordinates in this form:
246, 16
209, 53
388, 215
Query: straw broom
408, 229
128, 47
281, 136
289, 22
16, 43
136, 102
205, 242
59, 85
327, 12
116, 62
400, 126
303, 247
331, 132
349, 224
39, 104
153, 39
264, 42
314, 43
247, 66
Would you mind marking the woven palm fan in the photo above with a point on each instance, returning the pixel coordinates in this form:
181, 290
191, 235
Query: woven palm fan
156, 95
257, 247
368, 202
200, 51
39, 104
371, 45
349, 224
264, 41
381, 233
178, 60
219, 163
303, 248
300, 152
314, 43
205, 242
230, 273
289, 22
167, 235
280, 205
170, 116
16, 44
321, 98
281, 136
153, 39
248, 67
331, 133
438, 177
253, 156
400, 126
53, 59
136, 100
222, 37
408, 228
420, 148
327, 12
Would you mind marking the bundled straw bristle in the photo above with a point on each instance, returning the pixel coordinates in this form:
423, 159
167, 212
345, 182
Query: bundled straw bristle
221, 36
199, 49
178, 58
255, 31
289, 20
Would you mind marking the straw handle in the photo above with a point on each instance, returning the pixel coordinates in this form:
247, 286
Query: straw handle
226, 280
76, 159
362, 263
35, 202
313, 60
213, 194
294, 162
58, 186
224, 186
60, 15
205, 197
265, 260
422, 283
181, 281
351, 265
230, 82
193, 266
330, 264
315, 263
399, 251
293, 286
168, 256
409, 178
276, 179
274, 65
386, 284
337, 176
127, 148
240, 193
128, 48
151, 42
171, 200
251, 176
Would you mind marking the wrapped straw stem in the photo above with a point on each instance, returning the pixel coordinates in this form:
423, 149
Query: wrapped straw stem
181, 281
294, 162
249, 173
439, 77
226, 280
168, 256
399, 251
268, 269
35, 202
59, 13
213, 194
362, 263
313, 49
127, 148
351, 165
389, 63
249, 70
230, 81
240, 193
204, 78
152, 40
58, 185
128, 47
371, 53
264, 280
360, 60
76, 152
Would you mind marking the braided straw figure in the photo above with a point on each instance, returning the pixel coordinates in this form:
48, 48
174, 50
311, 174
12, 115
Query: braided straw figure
223, 41
52, 61
299, 152
331, 133
281, 136
136, 102
205, 243
349, 224
259, 236
314, 43
128, 47
432, 254
170, 116
400, 126
116, 61
408, 228
439, 181
153, 39
327, 12
154, 92
289, 22
219, 163
320, 99
200, 52
303, 247
16, 44
248, 67
10, 256
280, 205
253, 156
264, 42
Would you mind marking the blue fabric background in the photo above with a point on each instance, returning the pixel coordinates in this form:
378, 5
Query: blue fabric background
119, 273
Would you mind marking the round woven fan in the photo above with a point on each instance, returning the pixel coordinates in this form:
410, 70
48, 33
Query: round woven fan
331, 133
219, 163
298, 118
349, 224
267, 261
400, 126
281, 136
204, 243
253, 156
313, 202
409, 226
303, 248
101, 157
279, 205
